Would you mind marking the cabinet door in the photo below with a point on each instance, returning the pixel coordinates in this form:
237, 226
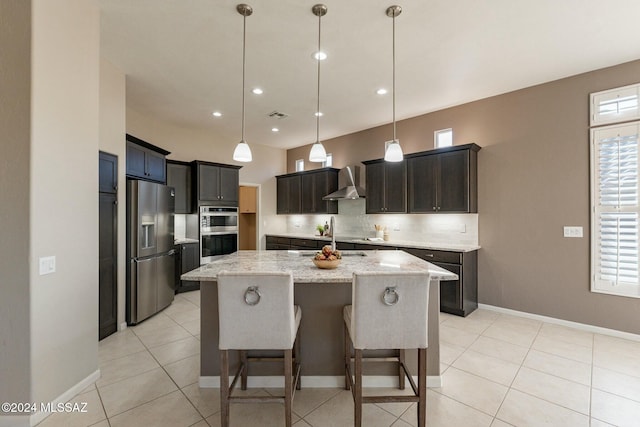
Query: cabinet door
282, 196
108, 173
179, 177
208, 183
453, 182
135, 161
294, 194
422, 182
451, 290
375, 187
395, 187
308, 194
229, 178
189, 257
107, 264
155, 166
247, 202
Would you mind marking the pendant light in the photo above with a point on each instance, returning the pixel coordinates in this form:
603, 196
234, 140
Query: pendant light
393, 152
242, 153
318, 153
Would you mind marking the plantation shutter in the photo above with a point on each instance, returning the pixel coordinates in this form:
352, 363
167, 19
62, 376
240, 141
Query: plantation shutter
615, 197
615, 105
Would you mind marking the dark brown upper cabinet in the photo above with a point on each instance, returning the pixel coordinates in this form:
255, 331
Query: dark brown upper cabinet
302, 192
179, 177
216, 184
145, 161
386, 186
443, 180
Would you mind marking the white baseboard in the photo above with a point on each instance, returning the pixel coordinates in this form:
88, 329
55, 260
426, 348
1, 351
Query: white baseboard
561, 322
122, 326
66, 396
318, 381
16, 421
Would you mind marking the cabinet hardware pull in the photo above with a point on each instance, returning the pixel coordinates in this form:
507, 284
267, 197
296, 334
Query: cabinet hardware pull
252, 295
390, 295
430, 255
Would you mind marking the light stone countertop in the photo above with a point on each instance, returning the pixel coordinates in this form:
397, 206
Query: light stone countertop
184, 240
304, 271
403, 243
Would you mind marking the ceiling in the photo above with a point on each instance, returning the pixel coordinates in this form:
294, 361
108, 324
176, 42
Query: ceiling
183, 58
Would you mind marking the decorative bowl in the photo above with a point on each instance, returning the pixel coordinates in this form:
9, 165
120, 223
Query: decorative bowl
326, 264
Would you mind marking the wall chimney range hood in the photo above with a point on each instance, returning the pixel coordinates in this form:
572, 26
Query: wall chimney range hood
348, 190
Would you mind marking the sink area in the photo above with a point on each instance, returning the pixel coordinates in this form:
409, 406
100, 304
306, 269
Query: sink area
352, 253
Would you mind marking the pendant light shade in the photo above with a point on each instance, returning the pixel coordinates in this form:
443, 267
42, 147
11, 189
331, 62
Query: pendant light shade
393, 152
242, 153
318, 153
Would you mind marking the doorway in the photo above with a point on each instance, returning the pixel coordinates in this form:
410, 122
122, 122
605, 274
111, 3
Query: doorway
108, 240
248, 217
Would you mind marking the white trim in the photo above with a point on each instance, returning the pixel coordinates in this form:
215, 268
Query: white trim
14, 421
575, 325
67, 396
318, 381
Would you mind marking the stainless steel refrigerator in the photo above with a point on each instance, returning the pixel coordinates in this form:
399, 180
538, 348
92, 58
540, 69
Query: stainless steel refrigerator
151, 272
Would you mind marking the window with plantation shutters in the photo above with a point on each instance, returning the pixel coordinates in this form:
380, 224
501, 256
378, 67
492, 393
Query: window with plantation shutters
615, 225
615, 105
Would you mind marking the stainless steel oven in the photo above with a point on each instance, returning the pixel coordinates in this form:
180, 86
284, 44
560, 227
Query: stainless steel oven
218, 232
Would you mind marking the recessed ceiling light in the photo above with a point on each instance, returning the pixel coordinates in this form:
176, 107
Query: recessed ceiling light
257, 91
319, 114
275, 130
319, 55
217, 114
381, 91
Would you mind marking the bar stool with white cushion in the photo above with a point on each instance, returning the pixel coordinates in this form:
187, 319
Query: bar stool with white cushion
388, 311
256, 312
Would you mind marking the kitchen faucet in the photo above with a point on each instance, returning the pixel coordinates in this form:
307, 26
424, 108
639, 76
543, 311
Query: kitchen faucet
333, 234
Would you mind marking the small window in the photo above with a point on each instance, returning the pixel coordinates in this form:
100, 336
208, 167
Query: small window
299, 165
329, 162
615, 105
443, 138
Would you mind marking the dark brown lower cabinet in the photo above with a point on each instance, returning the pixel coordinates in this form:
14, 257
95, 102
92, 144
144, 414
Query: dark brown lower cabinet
187, 259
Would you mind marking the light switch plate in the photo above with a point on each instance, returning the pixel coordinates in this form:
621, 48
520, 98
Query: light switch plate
47, 265
573, 231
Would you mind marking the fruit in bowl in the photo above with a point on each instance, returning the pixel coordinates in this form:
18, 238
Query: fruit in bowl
326, 258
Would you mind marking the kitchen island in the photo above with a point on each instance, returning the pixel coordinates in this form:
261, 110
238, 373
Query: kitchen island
321, 294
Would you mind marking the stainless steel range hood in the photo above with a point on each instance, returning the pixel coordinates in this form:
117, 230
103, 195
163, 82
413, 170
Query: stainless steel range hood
350, 189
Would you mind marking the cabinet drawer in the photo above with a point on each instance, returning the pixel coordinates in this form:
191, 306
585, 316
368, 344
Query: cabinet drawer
305, 243
278, 240
436, 256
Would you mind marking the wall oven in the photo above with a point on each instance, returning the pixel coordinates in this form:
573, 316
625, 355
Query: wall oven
218, 232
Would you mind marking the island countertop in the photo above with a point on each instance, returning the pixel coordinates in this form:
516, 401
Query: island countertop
304, 271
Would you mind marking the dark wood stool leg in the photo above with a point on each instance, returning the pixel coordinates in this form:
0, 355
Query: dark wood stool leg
400, 369
297, 353
357, 404
288, 386
422, 387
224, 388
245, 371
347, 357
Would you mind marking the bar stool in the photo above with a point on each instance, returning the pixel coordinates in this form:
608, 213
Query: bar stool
256, 312
388, 311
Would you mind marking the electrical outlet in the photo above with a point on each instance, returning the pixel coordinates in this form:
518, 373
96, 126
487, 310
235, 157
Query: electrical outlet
47, 265
396, 227
572, 231
296, 224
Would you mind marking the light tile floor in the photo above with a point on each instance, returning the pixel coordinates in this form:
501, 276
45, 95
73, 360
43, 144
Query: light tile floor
498, 371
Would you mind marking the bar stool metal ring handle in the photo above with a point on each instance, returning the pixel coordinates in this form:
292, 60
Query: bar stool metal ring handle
252, 295
390, 296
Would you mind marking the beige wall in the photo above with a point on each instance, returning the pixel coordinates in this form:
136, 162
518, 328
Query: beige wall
15, 87
533, 178
63, 194
187, 144
112, 140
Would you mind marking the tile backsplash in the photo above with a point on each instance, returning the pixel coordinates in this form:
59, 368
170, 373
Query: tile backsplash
352, 221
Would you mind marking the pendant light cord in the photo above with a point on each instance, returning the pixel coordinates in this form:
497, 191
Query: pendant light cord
318, 92
394, 76
244, 42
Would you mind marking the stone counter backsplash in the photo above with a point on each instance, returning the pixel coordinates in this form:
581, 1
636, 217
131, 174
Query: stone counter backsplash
351, 220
